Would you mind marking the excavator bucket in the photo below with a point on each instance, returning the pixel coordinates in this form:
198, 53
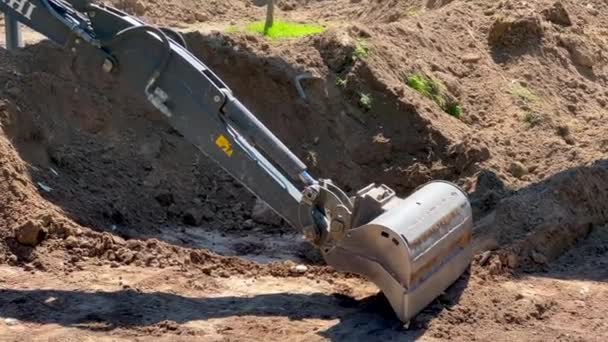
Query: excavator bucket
412, 249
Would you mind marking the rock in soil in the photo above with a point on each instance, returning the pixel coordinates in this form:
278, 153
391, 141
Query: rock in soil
557, 14
31, 233
11, 321
299, 269
518, 169
514, 33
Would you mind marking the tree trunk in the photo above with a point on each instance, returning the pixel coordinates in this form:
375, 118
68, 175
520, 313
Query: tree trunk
269, 16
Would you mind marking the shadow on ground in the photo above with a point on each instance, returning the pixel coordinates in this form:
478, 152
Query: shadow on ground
370, 318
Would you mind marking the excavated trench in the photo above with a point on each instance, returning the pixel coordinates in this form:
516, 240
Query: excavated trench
111, 163
121, 165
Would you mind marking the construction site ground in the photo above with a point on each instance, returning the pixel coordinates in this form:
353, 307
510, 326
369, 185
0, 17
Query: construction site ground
138, 237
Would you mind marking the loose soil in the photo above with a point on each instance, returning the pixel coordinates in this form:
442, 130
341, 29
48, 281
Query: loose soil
112, 227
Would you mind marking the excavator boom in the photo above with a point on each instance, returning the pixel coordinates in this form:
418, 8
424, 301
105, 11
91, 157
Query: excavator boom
412, 248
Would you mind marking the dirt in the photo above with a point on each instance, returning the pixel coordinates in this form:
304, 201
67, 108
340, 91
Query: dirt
112, 227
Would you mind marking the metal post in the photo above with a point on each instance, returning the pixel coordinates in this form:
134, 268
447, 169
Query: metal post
13, 32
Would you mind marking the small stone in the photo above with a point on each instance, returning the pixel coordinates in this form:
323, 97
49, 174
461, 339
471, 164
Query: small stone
514, 33
570, 140
557, 14
30, 233
580, 52
582, 57
71, 242
299, 269
470, 58
118, 240
50, 301
11, 321
485, 256
518, 169
201, 17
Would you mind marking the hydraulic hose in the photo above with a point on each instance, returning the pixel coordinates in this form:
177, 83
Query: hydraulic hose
166, 50
73, 26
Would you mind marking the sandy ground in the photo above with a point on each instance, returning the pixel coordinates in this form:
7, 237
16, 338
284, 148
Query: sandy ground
145, 239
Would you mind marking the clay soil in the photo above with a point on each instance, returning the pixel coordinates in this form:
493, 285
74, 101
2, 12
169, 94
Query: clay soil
137, 236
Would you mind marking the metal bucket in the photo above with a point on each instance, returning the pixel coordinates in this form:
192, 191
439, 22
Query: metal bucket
415, 249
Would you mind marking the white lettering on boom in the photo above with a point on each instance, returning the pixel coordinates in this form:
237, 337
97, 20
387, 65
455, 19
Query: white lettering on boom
23, 7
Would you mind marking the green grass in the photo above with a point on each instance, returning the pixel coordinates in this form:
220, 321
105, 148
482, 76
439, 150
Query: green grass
282, 29
454, 110
366, 101
435, 90
424, 85
361, 50
341, 82
523, 93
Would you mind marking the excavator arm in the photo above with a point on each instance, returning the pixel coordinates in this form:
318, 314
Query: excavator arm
155, 63
411, 248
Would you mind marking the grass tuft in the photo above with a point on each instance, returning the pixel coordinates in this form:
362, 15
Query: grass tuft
361, 50
423, 85
435, 90
454, 110
366, 101
523, 93
282, 29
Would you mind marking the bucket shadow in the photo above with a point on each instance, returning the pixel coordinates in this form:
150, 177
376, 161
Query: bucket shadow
369, 319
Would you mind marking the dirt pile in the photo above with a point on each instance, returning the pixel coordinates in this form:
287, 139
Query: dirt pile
541, 222
107, 159
185, 12
38, 235
57, 183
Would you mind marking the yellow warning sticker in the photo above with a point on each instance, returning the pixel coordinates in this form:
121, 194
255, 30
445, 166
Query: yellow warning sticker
224, 144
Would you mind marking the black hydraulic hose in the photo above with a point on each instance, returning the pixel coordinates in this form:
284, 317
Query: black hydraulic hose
178, 37
73, 26
166, 44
